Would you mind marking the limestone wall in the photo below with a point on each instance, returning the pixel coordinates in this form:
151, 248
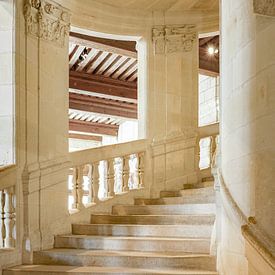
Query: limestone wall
247, 123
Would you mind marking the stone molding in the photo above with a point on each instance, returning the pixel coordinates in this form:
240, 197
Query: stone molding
264, 7
47, 20
173, 38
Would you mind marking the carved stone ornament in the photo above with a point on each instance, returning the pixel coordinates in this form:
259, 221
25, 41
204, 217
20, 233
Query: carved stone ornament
47, 20
264, 7
170, 39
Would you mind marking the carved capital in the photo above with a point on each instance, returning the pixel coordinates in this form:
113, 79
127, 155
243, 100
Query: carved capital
264, 7
170, 39
47, 20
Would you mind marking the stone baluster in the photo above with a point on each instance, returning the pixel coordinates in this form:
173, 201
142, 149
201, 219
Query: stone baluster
3, 224
95, 182
10, 217
125, 174
74, 188
110, 177
213, 146
90, 186
78, 187
141, 170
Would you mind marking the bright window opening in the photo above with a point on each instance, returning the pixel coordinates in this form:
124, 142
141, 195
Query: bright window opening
7, 152
208, 99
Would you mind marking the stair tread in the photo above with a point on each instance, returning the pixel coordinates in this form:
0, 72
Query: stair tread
167, 205
110, 270
140, 238
124, 253
158, 215
134, 225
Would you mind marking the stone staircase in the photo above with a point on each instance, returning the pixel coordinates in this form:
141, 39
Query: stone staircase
169, 235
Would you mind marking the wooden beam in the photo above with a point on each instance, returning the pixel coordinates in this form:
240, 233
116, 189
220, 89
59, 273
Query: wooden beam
98, 105
102, 85
85, 137
125, 48
93, 127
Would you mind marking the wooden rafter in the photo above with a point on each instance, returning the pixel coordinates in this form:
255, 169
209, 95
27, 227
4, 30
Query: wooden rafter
93, 104
102, 85
85, 137
93, 127
108, 45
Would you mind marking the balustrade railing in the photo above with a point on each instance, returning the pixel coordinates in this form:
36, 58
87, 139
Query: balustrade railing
101, 173
208, 140
8, 207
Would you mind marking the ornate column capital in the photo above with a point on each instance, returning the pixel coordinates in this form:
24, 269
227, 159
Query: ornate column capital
47, 20
264, 7
173, 38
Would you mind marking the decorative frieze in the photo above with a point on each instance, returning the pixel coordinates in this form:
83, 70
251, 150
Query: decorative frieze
173, 38
264, 7
47, 20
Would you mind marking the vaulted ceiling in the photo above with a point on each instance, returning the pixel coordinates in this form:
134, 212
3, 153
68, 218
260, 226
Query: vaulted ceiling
168, 5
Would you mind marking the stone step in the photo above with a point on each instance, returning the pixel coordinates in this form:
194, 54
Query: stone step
206, 183
176, 200
133, 259
182, 230
95, 270
175, 209
190, 245
204, 192
152, 219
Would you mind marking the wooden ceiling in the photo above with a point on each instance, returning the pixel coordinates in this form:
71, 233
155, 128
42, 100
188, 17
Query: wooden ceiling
207, 62
103, 85
167, 5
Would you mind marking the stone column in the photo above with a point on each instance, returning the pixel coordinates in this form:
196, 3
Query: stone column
43, 34
247, 121
174, 74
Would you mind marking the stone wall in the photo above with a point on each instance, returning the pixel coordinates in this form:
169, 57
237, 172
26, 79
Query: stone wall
247, 123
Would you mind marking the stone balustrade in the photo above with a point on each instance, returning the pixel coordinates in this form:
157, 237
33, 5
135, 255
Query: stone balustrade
208, 140
8, 207
102, 173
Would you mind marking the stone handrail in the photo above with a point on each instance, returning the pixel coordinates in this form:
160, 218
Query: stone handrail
102, 173
8, 207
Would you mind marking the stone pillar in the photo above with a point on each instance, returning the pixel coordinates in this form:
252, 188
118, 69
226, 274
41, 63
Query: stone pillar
42, 62
247, 121
174, 77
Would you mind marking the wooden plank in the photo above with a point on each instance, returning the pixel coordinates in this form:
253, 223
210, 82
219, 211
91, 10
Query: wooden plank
124, 48
91, 55
102, 106
123, 68
75, 55
93, 127
128, 72
97, 62
102, 85
85, 137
